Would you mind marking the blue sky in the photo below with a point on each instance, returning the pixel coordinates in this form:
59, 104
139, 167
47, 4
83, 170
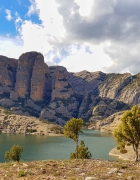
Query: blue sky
10, 10
81, 35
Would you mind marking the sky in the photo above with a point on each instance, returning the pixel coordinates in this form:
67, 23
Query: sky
92, 35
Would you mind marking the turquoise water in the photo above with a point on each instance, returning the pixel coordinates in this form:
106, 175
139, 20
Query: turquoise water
45, 147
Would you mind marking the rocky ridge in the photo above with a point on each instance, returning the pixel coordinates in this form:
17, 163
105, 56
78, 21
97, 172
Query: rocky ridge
20, 124
29, 87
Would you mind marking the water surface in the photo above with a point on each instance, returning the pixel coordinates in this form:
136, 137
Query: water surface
45, 147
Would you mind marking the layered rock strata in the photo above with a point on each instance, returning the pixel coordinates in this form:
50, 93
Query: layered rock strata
28, 86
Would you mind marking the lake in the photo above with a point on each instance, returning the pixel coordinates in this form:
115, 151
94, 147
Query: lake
45, 147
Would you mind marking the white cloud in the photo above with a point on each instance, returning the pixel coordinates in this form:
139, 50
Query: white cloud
33, 8
11, 47
79, 60
18, 22
8, 15
110, 29
85, 6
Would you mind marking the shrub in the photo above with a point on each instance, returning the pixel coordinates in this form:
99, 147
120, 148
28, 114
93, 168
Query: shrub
123, 151
83, 152
118, 147
14, 153
21, 173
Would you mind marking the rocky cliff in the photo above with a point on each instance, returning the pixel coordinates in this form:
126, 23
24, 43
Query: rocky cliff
28, 86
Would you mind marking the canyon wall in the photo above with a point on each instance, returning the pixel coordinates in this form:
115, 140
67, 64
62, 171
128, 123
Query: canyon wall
28, 86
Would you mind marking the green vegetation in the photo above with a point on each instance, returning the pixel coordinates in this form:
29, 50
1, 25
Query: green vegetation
57, 130
72, 129
14, 153
129, 130
21, 173
83, 152
31, 130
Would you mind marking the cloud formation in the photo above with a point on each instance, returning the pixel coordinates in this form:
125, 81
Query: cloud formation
82, 35
8, 15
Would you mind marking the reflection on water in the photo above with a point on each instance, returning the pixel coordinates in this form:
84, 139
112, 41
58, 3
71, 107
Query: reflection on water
45, 147
96, 134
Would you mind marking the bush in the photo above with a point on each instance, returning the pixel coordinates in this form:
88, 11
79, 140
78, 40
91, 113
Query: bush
21, 173
118, 147
83, 152
31, 130
123, 151
14, 153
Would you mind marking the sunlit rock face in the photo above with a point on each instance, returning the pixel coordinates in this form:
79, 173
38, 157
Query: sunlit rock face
8, 67
61, 87
28, 86
30, 77
38, 78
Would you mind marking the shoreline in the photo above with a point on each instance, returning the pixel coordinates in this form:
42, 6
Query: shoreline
129, 156
47, 134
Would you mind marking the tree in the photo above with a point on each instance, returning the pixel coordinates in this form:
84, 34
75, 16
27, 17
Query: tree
129, 130
72, 129
14, 153
83, 152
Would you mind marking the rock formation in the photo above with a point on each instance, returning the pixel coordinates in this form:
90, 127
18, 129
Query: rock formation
28, 86
30, 77
8, 67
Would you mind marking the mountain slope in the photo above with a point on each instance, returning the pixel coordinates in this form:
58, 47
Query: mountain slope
29, 87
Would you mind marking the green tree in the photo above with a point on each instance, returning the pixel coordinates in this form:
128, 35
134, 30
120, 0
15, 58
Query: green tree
129, 130
14, 153
83, 152
72, 129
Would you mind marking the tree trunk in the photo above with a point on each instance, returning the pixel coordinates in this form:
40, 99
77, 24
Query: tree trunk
135, 147
76, 149
136, 155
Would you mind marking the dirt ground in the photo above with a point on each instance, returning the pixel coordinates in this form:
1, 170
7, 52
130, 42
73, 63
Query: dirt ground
93, 169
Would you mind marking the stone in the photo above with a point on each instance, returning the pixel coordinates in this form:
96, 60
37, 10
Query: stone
14, 95
7, 102
25, 165
90, 178
113, 170
130, 178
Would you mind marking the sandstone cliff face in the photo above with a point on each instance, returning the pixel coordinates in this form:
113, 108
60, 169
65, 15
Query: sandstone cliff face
87, 82
30, 77
28, 86
94, 108
24, 73
61, 87
8, 69
38, 78
123, 87
60, 110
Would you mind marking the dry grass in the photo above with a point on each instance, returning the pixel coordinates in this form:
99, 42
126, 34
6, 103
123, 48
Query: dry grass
70, 170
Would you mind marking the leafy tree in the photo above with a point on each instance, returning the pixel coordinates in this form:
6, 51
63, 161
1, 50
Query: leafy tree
129, 130
72, 129
14, 153
83, 152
